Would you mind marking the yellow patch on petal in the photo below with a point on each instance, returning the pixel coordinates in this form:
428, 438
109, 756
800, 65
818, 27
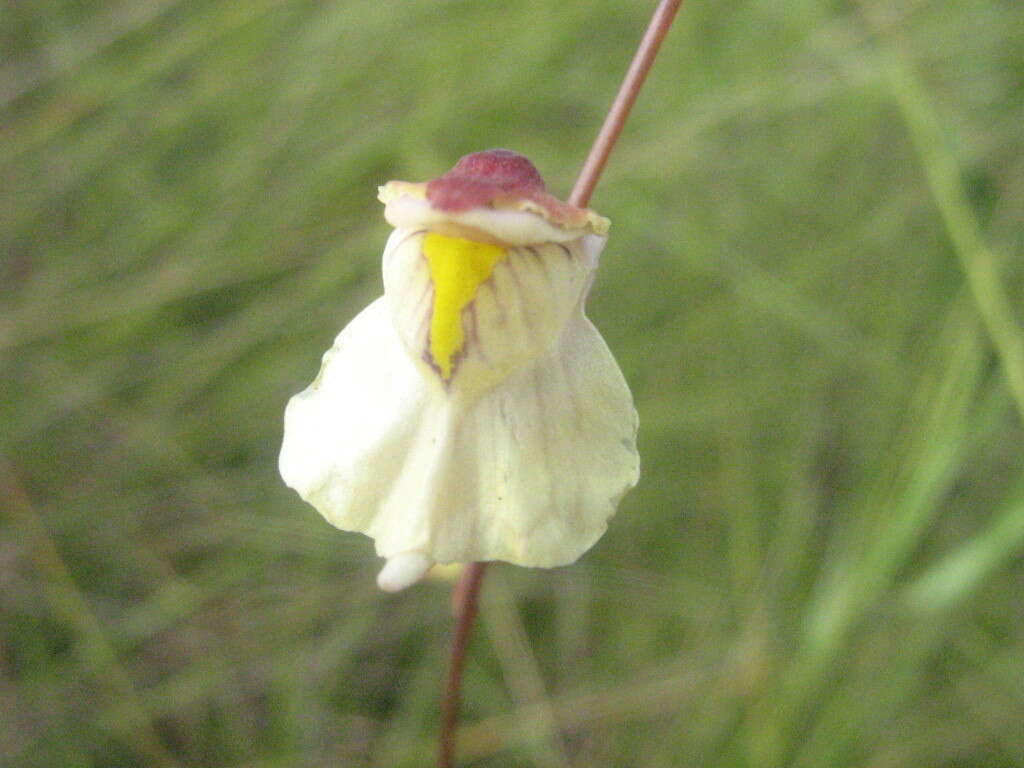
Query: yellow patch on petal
457, 269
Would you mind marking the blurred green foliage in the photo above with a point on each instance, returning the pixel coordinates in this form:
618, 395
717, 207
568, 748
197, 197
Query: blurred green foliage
812, 284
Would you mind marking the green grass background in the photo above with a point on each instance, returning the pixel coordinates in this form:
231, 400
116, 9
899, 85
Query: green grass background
813, 286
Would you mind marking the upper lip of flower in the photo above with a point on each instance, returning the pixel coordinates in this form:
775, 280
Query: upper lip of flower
495, 196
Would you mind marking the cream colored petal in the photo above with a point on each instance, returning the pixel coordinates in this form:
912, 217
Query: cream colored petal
511, 227
529, 474
515, 317
540, 463
347, 437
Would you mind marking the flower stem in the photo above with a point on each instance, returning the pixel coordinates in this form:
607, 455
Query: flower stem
464, 605
624, 100
466, 594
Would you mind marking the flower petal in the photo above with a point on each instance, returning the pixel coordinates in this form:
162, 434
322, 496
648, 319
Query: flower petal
539, 464
530, 474
504, 317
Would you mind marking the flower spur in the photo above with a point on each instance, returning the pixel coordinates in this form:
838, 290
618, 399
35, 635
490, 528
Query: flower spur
473, 412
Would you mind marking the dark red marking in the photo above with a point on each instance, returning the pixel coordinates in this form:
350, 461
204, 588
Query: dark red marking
478, 180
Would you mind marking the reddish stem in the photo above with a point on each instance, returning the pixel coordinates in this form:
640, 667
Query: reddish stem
464, 605
466, 593
624, 100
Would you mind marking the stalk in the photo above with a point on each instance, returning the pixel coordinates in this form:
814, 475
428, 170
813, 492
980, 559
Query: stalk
465, 597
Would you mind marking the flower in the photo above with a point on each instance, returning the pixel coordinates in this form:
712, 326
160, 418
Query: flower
473, 412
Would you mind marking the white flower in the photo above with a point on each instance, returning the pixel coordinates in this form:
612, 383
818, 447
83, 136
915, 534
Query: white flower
473, 412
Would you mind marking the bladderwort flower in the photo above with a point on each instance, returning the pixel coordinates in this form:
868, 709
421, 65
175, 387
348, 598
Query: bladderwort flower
472, 412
